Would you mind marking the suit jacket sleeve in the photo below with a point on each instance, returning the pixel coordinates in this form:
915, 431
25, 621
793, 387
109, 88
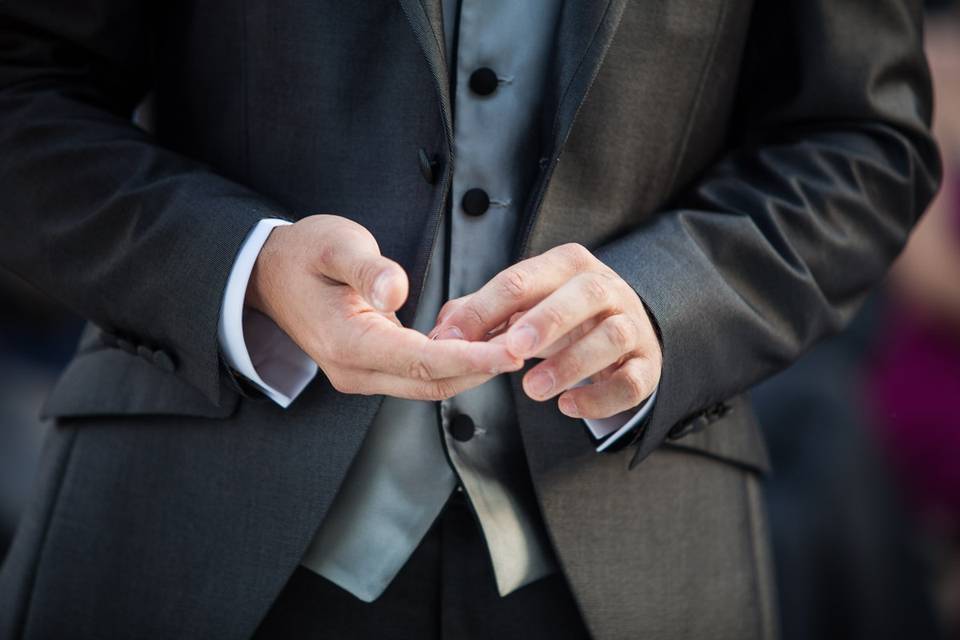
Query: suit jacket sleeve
829, 166
131, 236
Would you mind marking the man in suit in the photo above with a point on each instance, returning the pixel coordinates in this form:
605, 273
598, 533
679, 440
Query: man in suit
494, 387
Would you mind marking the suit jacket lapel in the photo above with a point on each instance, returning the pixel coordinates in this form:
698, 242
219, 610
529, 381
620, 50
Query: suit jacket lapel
426, 20
584, 33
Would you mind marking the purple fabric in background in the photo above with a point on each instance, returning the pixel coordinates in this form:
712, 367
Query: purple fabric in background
915, 391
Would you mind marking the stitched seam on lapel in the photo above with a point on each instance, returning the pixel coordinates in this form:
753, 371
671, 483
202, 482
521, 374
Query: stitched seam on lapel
576, 73
532, 216
47, 519
439, 77
695, 106
441, 47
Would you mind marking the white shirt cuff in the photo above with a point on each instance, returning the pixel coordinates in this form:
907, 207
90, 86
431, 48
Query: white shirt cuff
616, 427
251, 342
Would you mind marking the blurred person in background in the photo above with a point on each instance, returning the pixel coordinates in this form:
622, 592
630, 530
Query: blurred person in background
849, 562
914, 384
853, 470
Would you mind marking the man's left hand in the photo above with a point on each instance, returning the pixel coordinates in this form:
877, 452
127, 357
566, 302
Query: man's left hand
571, 309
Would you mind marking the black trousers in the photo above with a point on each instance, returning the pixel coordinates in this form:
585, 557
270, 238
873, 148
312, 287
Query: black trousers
446, 590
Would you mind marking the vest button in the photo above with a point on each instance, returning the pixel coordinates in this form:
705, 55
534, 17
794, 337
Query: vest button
475, 202
483, 81
462, 427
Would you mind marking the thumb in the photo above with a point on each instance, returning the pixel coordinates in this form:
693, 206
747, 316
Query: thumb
353, 258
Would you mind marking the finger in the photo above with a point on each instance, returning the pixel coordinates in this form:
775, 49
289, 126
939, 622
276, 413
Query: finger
503, 326
366, 382
581, 298
516, 288
626, 388
605, 373
351, 255
449, 306
605, 345
376, 344
568, 338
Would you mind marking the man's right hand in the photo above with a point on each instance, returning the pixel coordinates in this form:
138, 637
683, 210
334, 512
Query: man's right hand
324, 282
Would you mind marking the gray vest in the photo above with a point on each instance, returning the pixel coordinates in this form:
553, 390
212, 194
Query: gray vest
417, 453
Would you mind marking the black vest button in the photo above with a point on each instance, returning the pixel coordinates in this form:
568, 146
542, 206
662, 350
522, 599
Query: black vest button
428, 166
483, 81
462, 427
475, 202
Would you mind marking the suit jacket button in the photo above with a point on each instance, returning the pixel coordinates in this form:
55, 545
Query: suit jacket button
428, 166
163, 361
462, 427
475, 202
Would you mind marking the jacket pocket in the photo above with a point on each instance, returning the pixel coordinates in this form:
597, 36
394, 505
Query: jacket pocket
110, 381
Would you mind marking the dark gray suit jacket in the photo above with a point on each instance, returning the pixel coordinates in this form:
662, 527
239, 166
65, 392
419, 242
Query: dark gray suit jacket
751, 168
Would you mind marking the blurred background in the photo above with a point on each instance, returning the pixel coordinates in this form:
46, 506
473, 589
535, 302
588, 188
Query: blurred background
864, 432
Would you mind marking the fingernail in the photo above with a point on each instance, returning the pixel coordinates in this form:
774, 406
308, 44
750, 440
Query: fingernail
540, 383
569, 407
522, 340
381, 290
451, 333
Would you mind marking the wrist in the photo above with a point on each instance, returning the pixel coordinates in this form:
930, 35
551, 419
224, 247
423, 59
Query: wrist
263, 276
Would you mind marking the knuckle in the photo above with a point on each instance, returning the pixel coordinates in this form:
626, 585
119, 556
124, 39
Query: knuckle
596, 290
571, 369
514, 284
438, 390
420, 369
553, 317
635, 385
576, 254
449, 306
364, 271
588, 405
473, 315
620, 332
